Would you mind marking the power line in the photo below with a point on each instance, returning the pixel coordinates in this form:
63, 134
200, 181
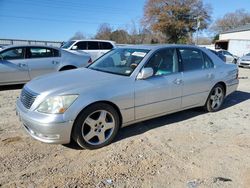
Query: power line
55, 20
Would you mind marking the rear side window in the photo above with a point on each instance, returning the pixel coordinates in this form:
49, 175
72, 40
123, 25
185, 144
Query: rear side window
14, 53
56, 53
39, 52
93, 45
192, 59
106, 46
81, 45
208, 63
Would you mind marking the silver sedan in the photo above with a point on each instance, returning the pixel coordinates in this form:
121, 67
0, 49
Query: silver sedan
19, 64
125, 86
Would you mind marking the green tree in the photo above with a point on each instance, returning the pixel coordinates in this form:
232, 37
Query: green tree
176, 19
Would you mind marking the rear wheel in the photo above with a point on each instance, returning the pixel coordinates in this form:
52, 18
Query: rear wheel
215, 98
96, 126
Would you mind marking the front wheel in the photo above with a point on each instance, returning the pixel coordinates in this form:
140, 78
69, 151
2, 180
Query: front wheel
215, 98
96, 126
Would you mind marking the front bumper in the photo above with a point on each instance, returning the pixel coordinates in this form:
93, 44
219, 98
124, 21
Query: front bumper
48, 128
244, 64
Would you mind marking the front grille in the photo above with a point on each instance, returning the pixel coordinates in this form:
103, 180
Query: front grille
244, 63
27, 98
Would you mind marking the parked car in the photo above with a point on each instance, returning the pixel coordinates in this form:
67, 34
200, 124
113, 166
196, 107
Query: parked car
244, 61
19, 64
230, 58
125, 86
95, 48
223, 58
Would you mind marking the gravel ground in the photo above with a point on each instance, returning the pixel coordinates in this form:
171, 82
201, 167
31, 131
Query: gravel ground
187, 149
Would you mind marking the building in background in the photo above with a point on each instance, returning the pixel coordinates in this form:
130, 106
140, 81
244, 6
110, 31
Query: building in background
236, 41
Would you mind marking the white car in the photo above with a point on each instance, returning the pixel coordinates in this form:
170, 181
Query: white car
95, 48
230, 58
244, 61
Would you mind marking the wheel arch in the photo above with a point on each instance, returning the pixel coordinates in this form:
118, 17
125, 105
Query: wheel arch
223, 85
67, 67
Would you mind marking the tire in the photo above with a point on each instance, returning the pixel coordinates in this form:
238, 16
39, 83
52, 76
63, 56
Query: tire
215, 98
96, 126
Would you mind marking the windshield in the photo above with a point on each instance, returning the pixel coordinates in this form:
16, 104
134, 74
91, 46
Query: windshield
68, 44
121, 61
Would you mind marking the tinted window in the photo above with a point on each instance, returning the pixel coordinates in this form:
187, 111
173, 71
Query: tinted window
106, 45
81, 45
56, 53
192, 59
164, 62
14, 53
39, 52
93, 45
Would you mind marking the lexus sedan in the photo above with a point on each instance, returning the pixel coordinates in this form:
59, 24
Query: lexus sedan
244, 61
19, 64
126, 85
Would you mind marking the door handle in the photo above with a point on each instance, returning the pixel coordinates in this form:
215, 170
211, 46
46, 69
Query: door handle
55, 62
22, 65
177, 81
210, 75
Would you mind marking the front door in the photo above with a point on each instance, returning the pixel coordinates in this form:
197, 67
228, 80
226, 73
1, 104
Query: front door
162, 92
13, 66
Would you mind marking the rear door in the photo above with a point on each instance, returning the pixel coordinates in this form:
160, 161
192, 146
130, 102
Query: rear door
93, 49
13, 66
42, 60
198, 76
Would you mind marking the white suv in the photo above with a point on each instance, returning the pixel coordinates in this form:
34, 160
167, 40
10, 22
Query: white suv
95, 48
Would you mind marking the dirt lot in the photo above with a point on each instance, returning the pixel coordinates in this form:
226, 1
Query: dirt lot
187, 149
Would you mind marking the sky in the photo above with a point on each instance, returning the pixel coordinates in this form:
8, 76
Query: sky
58, 20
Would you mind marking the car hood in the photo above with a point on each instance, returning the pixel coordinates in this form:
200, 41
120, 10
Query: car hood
72, 81
247, 58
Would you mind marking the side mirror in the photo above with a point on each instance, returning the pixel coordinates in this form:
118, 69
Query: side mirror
74, 48
145, 73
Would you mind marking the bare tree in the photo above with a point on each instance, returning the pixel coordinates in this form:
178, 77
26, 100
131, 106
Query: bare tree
104, 32
176, 19
231, 20
77, 36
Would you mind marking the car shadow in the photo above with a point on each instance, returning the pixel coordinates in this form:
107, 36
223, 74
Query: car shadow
11, 87
142, 127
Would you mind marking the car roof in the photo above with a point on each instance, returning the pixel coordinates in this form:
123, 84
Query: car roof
94, 40
31, 45
157, 46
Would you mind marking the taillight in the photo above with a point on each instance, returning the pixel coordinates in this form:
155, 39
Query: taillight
90, 61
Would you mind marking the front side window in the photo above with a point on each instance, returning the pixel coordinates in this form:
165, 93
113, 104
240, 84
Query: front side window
192, 59
39, 52
93, 45
121, 61
164, 62
80, 46
14, 53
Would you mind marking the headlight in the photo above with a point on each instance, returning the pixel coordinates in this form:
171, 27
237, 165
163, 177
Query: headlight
57, 104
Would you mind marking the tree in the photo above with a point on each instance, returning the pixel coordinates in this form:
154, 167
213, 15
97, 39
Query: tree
176, 19
120, 36
231, 20
104, 32
77, 36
